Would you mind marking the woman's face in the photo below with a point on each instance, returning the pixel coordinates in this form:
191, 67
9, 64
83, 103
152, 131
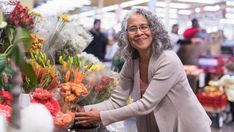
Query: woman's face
139, 33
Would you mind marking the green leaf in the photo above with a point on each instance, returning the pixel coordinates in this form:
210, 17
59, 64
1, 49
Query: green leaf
3, 62
21, 43
16, 55
10, 34
23, 35
29, 72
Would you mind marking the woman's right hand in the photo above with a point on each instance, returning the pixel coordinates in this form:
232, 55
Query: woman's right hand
77, 108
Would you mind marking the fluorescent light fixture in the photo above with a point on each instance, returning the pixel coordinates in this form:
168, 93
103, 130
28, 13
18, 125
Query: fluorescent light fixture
227, 21
211, 8
133, 2
173, 5
200, 1
142, 7
171, 11
184, 12
228, 9
230, 3
162, 15
179, 5
229, 15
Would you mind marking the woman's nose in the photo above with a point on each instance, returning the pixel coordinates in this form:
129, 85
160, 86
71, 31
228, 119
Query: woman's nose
138, 31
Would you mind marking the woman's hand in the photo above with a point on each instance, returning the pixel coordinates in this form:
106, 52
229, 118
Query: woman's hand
77, 108
86, 118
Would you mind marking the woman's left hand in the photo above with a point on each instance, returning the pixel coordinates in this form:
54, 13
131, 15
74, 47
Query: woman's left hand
86, 118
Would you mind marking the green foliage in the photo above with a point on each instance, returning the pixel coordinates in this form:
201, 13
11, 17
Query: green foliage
3, 62
7, 35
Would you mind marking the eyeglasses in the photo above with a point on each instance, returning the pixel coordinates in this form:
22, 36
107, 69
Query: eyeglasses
142, 27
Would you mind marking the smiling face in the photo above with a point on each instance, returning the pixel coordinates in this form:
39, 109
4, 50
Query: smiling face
139, 33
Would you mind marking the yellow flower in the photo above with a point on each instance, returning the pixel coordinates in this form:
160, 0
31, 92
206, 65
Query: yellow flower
36, 13
96, 67
64, 17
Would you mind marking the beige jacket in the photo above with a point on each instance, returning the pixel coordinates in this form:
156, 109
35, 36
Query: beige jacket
169, 96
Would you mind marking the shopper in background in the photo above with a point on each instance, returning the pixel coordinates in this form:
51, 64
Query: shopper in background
229, 70
98, 46
218, 40
175, 37
189, 33
112, 47
154, 75
195, 44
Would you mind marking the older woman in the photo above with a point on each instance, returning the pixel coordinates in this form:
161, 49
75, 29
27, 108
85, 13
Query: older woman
163, 99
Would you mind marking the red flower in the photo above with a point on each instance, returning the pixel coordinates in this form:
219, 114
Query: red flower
51, 104
42, 94
20, 17
6, 97
44, 97
98, 88
6, 110
105, 80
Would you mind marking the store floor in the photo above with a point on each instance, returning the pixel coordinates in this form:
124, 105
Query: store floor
129, 126
225, 128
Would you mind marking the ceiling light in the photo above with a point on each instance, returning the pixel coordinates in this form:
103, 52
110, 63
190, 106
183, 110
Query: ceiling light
184, 12
229, 15
227, 21
197, 10
212, 8
230, 3
201, 1
229, 9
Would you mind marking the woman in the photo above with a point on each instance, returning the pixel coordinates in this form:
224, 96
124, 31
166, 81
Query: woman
154, 75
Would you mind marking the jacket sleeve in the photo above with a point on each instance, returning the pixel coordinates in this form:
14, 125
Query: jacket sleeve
165, 75
119, 96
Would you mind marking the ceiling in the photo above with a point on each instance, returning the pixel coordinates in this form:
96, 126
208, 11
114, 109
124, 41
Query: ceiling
214, 14
52, 7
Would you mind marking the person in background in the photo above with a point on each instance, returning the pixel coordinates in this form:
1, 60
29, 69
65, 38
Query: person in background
218, 39
175, 37
194, 44
98, 46
190, 33
162, 97
112, 47
229, 70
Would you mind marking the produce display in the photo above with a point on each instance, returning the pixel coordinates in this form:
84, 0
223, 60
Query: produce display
212, 97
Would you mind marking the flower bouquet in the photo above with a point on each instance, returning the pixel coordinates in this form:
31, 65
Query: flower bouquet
15, 39
83, 80
5, 103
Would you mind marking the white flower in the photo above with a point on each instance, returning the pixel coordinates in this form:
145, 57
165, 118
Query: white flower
76, 35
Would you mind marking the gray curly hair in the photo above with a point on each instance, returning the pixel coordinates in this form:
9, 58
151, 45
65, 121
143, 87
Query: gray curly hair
161, 39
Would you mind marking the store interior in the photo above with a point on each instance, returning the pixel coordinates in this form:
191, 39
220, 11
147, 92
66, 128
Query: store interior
208, 60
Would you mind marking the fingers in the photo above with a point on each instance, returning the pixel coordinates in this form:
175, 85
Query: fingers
86, 118
77, 108
87, 121
80, 114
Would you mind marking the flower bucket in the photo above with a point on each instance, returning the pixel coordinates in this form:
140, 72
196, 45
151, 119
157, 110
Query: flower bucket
89, 128
24, 100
